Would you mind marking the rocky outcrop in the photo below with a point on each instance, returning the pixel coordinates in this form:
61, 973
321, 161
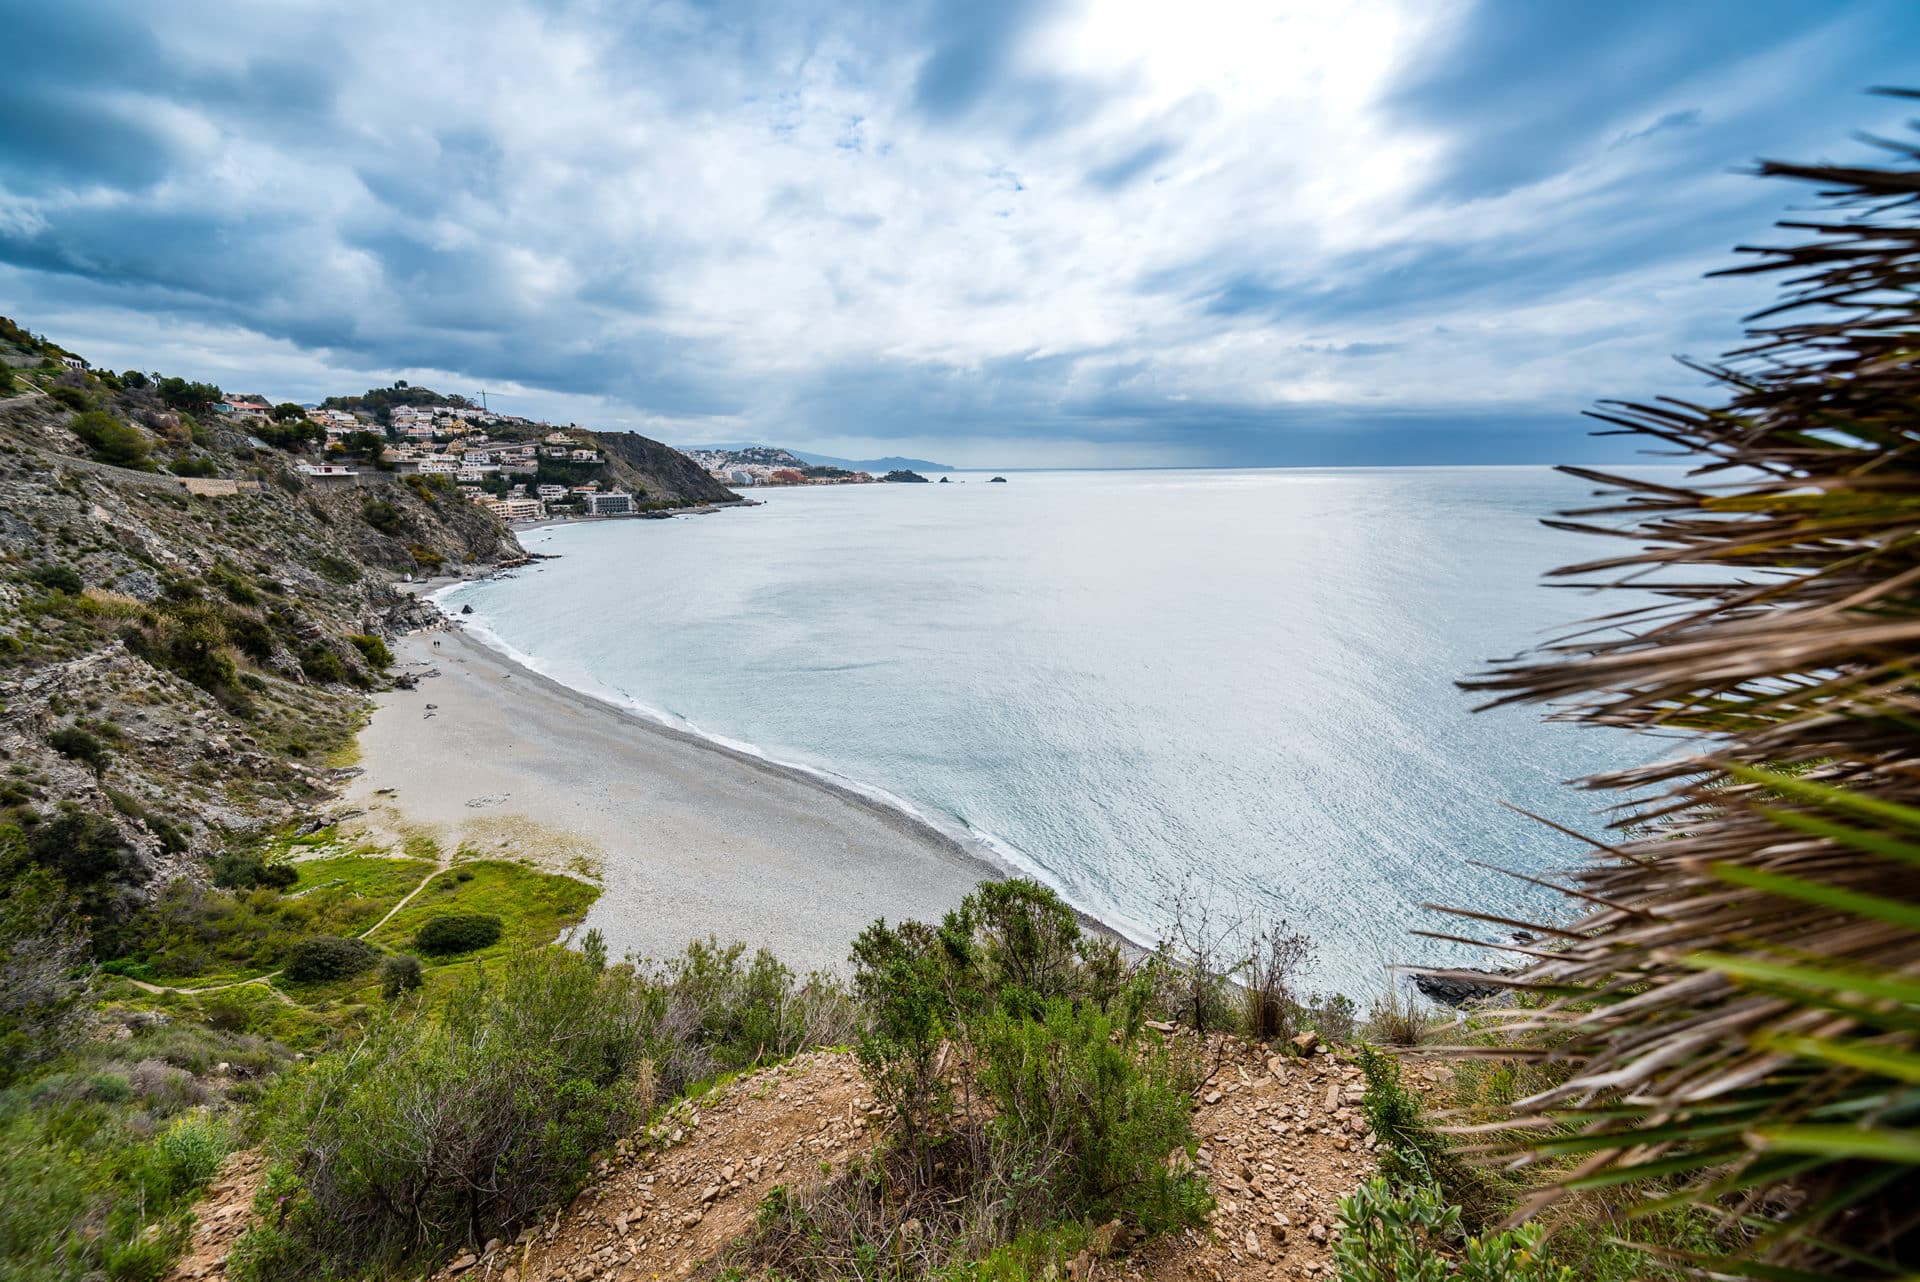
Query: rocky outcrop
660, 472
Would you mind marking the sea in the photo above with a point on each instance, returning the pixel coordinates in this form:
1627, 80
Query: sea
1235, 688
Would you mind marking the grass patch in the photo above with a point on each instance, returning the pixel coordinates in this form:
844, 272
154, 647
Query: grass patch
534, 906
346, 752
382, 879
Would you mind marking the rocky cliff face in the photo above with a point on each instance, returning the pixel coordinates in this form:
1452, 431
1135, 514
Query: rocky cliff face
182, 664
663, 472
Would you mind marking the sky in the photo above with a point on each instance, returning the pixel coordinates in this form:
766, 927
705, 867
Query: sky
986, 232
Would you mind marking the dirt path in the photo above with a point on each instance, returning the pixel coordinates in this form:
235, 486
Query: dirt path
438, 868
266, 979
220, 1217
1281, 1143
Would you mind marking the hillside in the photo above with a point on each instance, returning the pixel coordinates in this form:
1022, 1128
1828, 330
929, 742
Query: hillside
641, 464
206, 640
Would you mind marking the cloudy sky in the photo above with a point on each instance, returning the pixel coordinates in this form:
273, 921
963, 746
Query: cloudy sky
981, 231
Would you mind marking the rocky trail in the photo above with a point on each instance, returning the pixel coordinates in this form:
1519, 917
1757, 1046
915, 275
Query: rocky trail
1281, 1141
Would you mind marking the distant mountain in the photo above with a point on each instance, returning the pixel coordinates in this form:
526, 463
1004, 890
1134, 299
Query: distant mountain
773, 456
892, 463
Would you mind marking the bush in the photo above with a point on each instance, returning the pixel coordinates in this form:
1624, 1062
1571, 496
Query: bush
381, 515
193, 467
372, 649
43, 989
326, 957
195, 646
248, 870
76, 744
1027, 941
322, 664
250, 636
1414, 1236
899, 975
463, 1127
59, 578
92, 858
1411, 1153
112, 441
447, 933
1094, 1115
400, 973
183, 1157
71, 397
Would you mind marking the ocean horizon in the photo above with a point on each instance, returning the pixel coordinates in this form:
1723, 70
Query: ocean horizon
1123, 682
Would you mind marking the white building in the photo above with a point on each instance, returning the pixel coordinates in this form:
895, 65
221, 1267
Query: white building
613, 503
329, 473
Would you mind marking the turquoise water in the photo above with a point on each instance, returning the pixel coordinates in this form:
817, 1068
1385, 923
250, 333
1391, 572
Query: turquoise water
1117, 680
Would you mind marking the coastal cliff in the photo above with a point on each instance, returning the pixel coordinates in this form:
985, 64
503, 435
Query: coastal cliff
643, 464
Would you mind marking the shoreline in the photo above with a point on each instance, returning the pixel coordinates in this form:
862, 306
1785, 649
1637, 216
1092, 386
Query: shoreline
689, 836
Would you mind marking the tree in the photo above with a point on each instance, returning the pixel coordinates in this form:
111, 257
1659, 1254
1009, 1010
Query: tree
193, 398
286, 412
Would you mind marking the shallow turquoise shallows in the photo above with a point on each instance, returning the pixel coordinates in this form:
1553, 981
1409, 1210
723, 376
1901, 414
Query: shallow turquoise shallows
1119, 679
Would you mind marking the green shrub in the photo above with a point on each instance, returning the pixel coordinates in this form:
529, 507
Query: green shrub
381, 515
193, 467
92, 858
110, 440
195, 645
900, 976
462, 1127
238, 588
183, 1157
59, 578
1094, 1114
43, 987
250, 636
1414, 1236
372, 649
326, 957
447, 933
333, 568
71, 397
247, 869
322, 664
400, 973
76, 744
1411, 1154
1027, 941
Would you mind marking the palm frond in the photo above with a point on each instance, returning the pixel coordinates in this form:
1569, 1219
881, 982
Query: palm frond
1737, 1012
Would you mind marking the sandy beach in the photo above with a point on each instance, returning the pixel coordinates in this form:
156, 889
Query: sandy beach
688, 838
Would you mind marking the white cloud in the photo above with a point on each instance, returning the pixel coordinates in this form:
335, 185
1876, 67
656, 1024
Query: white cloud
703, 222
